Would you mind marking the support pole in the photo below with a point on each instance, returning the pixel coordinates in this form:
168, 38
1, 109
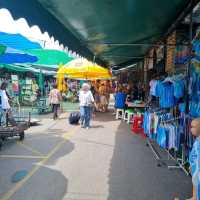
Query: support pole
190, 59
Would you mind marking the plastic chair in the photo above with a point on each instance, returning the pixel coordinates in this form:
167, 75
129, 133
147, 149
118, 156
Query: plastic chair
137, 124
119, 113
129, 115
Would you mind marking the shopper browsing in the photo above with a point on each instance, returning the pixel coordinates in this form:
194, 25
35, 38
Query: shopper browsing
107, 93
86, 100
195, 159
55, 99
5, 107
103, 99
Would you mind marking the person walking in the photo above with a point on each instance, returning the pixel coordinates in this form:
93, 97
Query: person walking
107, 93
86, 100
5, 108
103, 99
55, 99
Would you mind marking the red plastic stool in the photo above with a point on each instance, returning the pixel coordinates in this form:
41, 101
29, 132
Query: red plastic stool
137, 125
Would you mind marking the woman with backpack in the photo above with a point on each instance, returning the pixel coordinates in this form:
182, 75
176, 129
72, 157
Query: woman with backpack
86, 100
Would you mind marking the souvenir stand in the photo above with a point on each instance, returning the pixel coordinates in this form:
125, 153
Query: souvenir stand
174, 101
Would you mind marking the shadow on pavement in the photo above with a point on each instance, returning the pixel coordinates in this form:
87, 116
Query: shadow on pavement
97, 126
45, 184
104, 117
134, 175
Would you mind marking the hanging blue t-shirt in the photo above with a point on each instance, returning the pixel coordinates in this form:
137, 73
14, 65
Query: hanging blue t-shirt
120, 100
157, 91
196, 47
165, 92
179, 88
162, 137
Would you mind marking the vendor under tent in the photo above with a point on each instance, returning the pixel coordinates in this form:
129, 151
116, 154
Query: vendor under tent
82, 69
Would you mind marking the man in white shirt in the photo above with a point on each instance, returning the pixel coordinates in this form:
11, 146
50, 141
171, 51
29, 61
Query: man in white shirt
86, 100
5, 105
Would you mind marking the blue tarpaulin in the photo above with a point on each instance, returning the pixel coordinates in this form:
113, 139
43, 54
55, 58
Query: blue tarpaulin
11, 58
17, 41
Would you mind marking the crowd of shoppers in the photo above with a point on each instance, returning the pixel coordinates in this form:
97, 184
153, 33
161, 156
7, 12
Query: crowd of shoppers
101, 91
128, 93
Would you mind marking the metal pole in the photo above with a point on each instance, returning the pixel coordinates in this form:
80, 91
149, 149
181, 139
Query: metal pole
190, 59
139, 44
7, 118
188, 82
122, 56
94, 57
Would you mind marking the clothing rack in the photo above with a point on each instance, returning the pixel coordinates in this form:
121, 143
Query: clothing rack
171, 120
149, 142
180, 162
157, 156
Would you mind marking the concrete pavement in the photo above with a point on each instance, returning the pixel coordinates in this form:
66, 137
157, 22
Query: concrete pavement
107, 162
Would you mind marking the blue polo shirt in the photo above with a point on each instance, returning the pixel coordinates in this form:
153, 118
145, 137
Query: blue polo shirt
165, 92
179, 89
120, 100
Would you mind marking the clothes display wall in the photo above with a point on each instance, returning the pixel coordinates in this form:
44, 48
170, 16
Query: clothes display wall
166, 123
169, 91
168, 131
194, 87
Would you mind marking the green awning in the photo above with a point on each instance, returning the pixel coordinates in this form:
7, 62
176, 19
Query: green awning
27, 68
16, 68
97, 22
84, 25
49, 57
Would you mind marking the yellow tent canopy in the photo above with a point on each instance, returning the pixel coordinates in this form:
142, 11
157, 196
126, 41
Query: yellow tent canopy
82, 69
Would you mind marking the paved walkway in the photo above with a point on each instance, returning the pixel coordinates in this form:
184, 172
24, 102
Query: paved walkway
65, 162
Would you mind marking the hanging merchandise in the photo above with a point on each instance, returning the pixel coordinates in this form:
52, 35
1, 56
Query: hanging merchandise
29, 91
165, 92
15, 84
194, 85
169, 91
164, 123
181, 55
171, 40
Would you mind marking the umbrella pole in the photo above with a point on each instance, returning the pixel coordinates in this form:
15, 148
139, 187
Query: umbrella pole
94, 59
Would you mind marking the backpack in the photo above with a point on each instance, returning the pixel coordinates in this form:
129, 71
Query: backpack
74, 118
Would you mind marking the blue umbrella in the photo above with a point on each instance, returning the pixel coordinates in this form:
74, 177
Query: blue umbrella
17, 41
11, 58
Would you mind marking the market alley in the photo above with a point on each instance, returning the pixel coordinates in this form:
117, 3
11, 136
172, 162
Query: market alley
57, 161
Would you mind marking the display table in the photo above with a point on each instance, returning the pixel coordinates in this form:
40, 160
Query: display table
134, 105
